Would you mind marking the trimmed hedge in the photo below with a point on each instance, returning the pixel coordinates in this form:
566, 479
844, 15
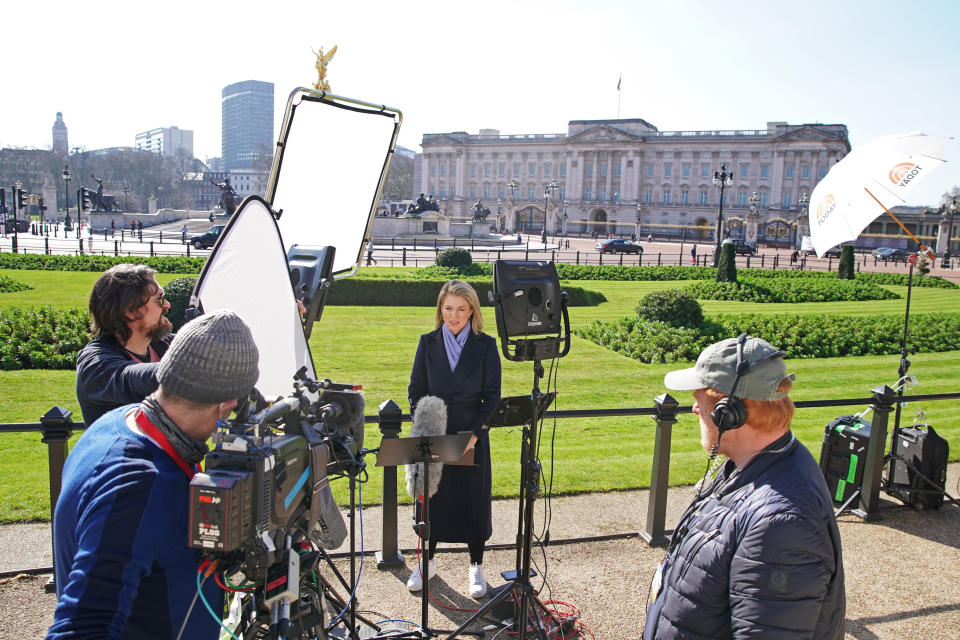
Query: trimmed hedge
41, 337
9, 285
673, 306
423, 293
192, 265
800, 335
777, 290
43, 262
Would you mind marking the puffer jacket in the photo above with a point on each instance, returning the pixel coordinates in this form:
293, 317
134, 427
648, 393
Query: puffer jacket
757, 557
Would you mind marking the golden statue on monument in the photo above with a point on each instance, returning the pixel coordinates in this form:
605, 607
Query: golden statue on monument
323, 59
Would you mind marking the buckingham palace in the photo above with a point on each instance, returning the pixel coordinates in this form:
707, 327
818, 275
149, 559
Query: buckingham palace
626, 177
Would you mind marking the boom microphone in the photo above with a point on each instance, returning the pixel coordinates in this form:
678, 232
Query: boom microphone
429, 419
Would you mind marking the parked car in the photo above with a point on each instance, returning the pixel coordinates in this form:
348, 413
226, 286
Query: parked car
208, 239
743, 248
891, 254
619, 246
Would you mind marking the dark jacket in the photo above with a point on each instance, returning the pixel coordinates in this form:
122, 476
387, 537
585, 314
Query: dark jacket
108, 377
460, 510
757, 557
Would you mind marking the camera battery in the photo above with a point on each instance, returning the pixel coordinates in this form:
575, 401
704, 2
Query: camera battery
220, 510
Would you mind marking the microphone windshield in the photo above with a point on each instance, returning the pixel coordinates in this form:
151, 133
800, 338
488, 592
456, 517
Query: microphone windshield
429, 419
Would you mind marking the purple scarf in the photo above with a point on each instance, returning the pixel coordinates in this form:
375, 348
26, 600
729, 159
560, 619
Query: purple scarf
454, 344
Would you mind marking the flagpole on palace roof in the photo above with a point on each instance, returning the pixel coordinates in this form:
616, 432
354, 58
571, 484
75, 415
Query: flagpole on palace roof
619, 80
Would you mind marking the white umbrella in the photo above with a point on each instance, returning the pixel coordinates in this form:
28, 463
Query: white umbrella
871, 179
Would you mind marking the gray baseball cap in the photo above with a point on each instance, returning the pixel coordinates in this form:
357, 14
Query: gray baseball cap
716, 368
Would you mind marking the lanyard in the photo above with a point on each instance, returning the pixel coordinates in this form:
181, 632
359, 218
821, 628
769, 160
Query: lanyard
144, 423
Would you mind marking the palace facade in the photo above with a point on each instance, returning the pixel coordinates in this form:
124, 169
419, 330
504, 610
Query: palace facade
626, 177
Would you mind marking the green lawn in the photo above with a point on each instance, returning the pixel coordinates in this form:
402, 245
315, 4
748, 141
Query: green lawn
374, 346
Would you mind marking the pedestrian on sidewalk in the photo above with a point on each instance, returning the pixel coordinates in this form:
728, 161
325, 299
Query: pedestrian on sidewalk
757, 553
693, 255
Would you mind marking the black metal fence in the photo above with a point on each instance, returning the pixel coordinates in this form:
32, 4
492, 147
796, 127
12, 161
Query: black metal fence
56, 427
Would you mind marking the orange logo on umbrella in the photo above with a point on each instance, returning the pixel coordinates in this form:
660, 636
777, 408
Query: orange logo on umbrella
827, 205
903, 172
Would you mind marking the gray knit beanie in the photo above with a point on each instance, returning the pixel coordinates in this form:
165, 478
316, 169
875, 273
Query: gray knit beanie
212, 359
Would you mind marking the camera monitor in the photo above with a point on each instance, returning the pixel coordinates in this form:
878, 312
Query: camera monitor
527, 297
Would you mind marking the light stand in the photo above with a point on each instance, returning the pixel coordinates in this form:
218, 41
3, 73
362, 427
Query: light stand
525, 295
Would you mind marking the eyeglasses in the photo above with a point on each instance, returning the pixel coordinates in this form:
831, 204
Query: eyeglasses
160, 299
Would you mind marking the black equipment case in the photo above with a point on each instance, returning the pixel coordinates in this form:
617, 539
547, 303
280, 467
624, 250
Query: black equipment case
842, 455
918, 451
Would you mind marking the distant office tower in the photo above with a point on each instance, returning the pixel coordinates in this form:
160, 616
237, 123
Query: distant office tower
166, 141
247, 123
60, 144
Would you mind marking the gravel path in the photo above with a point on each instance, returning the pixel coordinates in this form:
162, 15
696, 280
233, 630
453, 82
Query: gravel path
901, 572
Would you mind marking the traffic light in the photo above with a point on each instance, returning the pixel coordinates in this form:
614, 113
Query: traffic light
84, 198
41, 205
21, 200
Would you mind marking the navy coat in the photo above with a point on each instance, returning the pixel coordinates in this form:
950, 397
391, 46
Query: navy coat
460, 511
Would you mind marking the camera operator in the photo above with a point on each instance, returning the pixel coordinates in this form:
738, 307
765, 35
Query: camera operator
757, 553
124, 569
130, 334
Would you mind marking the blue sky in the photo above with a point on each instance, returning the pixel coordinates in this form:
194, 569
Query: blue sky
520, 67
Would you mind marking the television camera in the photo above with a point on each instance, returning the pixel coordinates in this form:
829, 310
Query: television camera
263, 509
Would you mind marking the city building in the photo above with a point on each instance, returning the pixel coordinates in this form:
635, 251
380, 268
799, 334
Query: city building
626, 177
247, 124
60, 141
166, 141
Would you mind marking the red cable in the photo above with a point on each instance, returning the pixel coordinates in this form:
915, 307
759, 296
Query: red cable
216, 576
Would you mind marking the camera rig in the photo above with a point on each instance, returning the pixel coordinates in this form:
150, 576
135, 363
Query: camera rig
263, 509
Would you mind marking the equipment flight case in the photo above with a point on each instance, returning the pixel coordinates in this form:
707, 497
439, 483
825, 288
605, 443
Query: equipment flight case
842, 455
917, 471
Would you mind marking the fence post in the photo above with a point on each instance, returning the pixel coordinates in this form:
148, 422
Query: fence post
659, 256
46, 245
404, 262
578, 256
389, 555
151, 248
161, 236
665, 415
56, 427
188, 249
883, 400
776, 261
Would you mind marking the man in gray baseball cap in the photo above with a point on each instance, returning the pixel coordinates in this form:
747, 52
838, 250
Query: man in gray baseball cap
757, 553
123, 568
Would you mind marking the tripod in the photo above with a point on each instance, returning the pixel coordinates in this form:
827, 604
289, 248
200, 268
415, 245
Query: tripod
511, 412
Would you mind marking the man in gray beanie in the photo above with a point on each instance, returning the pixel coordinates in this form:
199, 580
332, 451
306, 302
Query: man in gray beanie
123, 568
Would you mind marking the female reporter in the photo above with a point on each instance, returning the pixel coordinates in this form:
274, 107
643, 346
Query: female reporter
460, 364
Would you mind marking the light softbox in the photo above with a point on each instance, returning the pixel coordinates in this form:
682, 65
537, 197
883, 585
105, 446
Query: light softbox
331, 163
247, 273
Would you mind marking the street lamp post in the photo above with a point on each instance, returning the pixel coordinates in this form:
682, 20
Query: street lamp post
66, 187
639, 228
721, 179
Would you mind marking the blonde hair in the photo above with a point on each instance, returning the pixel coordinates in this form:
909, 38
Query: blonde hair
775, 415
465, 291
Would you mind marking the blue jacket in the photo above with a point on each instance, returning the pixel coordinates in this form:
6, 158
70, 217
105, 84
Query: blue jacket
108, 377
120, 533
758, 557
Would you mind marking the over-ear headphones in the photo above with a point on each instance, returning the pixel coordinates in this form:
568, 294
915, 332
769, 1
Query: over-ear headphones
730, 412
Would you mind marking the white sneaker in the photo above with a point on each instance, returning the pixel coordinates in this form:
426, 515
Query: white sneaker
478, 585
415, 581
